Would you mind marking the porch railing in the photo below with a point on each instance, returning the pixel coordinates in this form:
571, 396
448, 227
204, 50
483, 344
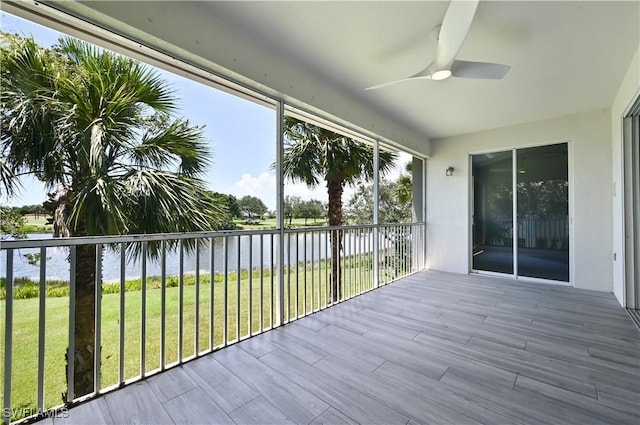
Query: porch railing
164, 299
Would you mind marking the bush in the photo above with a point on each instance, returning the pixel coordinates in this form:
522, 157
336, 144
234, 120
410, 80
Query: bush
26, 291
26, 288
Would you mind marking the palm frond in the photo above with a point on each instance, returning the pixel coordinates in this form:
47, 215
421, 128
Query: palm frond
314, 153
173, 144
170, 203
9, 183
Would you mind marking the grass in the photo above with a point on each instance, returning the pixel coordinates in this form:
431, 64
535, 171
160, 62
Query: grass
310, 278
25, 336
270, 223
36, 224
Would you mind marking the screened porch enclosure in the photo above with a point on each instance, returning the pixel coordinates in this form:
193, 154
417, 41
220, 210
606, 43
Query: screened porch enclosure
495, 298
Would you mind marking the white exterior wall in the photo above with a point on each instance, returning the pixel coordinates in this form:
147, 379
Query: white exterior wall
590, 165
628, 92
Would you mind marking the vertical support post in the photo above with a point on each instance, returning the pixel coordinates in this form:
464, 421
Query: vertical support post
8, 340
41, 326
261, 283
180, 299
358, 244
272, 301
225, 311
196, 331
212, 282
514, 177
288, 309
297, 281
72, 325
304, 273
238, 293
280, 209
122, 312
250, 307
97, 353
313, 264
163, 304
326, 269
376, 219
425, 209
419, 213
143, 311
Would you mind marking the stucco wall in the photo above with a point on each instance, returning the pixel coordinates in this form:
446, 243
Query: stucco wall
590, 165
628, 92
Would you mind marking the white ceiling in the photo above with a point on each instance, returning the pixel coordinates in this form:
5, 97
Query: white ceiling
566, 57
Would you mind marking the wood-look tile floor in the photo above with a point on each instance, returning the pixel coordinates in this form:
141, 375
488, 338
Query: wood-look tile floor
433, 348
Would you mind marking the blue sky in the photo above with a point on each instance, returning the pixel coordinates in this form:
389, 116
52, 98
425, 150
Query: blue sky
241, 134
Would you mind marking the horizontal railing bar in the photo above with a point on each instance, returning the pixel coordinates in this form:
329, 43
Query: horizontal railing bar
90, 240
114, 239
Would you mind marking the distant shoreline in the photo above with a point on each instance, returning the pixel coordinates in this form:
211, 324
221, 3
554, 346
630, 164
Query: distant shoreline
33, 228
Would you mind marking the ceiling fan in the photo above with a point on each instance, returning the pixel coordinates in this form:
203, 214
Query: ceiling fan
450, 36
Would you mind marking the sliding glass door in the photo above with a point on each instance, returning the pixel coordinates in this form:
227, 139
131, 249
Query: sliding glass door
543, 212
493, 212
521, 212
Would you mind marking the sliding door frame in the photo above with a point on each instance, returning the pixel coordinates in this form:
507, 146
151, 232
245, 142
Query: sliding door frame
514, 171
631, 199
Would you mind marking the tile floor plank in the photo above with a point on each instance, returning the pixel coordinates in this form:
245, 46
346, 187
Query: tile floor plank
300, 405
341, 396
136, 404
225, 388
196, 407
260, 411
547, 391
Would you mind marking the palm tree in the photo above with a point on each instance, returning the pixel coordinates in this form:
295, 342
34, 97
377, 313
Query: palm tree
403, 188
96, 128
313, 154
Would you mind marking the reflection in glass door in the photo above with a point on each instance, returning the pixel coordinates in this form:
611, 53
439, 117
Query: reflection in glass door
538, 245
493, 212
542, 193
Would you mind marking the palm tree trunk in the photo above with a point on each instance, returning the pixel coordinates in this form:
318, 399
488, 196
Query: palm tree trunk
334, 189
85, 326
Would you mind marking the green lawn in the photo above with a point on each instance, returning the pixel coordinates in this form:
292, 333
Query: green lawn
270, 223
36, 224
311, 280
25, 338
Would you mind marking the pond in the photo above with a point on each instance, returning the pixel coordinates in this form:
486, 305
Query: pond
318, 247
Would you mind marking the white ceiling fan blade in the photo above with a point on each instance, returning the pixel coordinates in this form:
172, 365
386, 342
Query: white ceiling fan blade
389, 83
480, 70
425, 74
453, 31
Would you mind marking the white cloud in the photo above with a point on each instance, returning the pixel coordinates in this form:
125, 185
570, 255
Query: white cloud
250, 185
262, 186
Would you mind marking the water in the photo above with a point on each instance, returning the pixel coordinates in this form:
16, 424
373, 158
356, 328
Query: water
318, 247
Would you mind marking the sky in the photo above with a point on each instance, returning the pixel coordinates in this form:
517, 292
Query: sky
241, 136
